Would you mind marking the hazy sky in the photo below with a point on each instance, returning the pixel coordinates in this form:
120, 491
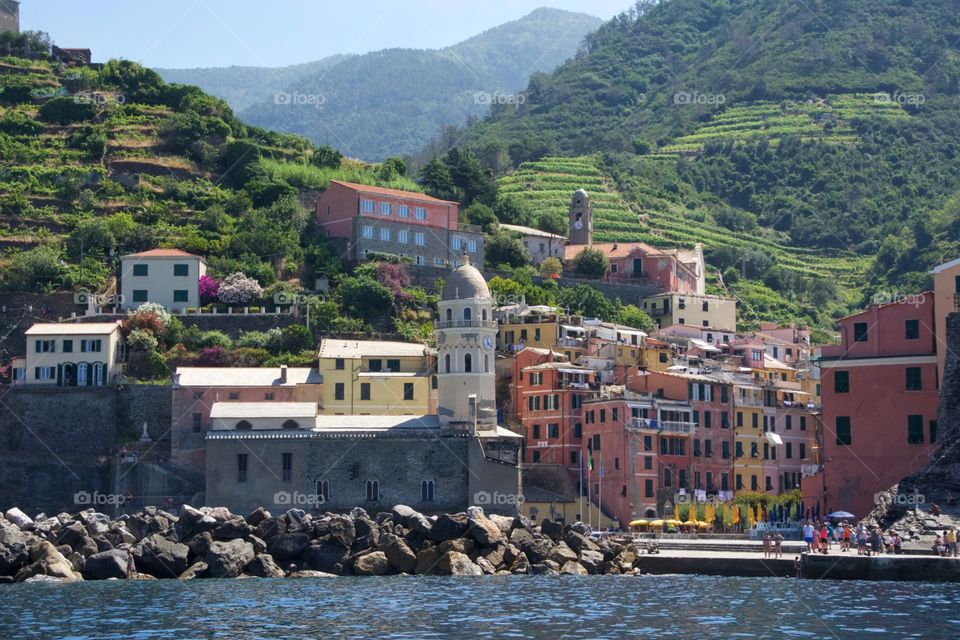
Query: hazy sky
215, 33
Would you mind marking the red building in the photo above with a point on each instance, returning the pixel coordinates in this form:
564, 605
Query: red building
880, 402
548, 394
404, 223
679, 270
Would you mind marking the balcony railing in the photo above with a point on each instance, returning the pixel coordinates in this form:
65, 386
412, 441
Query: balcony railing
663, 426
570, 342
747, 402
456, 324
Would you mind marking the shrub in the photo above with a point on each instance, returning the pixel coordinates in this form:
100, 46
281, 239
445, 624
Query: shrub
211, 357
239, 289
37, 268
65, 110
147, 321
550, 266
141, 340
209, 286
591, 262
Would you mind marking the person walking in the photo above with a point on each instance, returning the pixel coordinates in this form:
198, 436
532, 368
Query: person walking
808, 535
952, 542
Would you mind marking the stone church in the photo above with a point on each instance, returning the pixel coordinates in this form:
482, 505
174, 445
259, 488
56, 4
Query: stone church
284, 454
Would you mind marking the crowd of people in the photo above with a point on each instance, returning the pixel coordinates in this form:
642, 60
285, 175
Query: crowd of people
820, 537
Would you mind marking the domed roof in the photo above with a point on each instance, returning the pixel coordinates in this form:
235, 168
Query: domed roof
465, 283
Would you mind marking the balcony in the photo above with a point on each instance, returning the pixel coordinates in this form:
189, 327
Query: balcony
747, 402
458, 324
575, 343
664, 426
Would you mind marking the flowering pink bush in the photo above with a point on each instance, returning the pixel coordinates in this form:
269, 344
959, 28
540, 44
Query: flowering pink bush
209, 286
211, 357
395, 278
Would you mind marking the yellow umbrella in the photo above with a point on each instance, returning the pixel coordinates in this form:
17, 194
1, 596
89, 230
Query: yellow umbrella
656, 523
673, 521
704, 525
638, 523
709, 513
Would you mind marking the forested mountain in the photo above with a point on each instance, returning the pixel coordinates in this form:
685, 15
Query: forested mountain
243, 86
831, 127
392, 102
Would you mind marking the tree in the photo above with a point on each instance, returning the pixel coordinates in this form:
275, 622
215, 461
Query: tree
239, 289
506, 248
365, 298
391, 169
586, 301
326, 156
550, 266
436, 179
633, 316
140, 340
591, 262
469, 178
36, 268
482, 216
295, 338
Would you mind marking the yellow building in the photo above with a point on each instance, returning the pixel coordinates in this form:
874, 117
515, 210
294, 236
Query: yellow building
946, 288
538, 327
749, 438
656, 355
377, 378
692, 309
71, 355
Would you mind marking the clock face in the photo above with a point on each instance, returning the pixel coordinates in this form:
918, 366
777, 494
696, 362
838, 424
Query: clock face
488, 342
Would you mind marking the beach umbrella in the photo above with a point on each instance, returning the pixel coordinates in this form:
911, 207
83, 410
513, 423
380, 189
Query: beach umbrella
704, 525
656, 523
638, 523
841, 515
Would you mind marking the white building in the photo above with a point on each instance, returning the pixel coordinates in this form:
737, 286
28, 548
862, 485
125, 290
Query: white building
540, 244
169, 277
71, 355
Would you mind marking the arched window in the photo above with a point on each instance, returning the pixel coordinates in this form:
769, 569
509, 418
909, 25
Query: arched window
83, 373
291, 424
323, 491
650, 513
373, 491
99, 374
244, 425
486, 363
449, 314
426, 491
467, 313
483, 314
467, 363
446, 363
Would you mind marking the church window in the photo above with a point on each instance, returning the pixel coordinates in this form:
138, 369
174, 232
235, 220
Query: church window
373, 491
449, 314
446, 363
426, 490
467, 314
468, 363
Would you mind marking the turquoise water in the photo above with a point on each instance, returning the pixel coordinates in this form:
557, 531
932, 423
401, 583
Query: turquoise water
499, 607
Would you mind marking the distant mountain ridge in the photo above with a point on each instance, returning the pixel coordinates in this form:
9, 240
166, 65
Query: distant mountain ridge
394, 101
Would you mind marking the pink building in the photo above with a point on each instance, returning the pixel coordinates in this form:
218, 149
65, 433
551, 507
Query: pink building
676, 270
404, 223
879, 404
195, 389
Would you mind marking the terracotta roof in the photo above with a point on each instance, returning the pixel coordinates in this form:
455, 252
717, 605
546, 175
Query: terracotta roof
612, 249
396, 193
162, 253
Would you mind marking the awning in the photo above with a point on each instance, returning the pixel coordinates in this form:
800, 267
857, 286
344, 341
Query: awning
703, 345
774, 438
581, 371
575, 329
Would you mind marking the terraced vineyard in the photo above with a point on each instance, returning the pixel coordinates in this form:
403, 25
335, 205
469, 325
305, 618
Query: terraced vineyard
547, 185
826, 119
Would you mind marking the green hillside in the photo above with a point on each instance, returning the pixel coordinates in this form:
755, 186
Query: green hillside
818, 139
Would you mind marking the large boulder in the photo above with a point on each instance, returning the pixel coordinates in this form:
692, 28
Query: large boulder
419, 524
269, 528
19, 518
401, 512
288, 546
400, 556
342, 530
562, 554
14, 548
538, 549
327, 557
449, 527
199, 545
578, 542
196, 570
521, 565
228, 559
160, 557
483, 529
232, 529
454, 563
257, 516
73, 535
573, 568
592, 561
263, 566
45, 560
551, 529
427, 561
367, 533
106, 564
374, 563
505, 523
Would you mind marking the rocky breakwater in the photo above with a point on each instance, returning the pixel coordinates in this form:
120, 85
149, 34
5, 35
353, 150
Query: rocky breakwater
211, 542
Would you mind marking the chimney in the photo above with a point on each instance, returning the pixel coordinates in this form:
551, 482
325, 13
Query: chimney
283, 374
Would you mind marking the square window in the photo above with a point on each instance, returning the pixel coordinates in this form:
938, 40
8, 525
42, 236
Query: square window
911, 329
841, 382
181, 295
408, 391
339, 364
181, 270
140, 269
386, 208
368, 231
914, 429
366, 206
914, 379
403, 210
420, 213
338, 391
68, 346
364, 390
860, 332
139, 295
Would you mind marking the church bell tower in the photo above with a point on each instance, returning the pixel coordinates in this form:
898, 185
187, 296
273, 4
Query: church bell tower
581, 219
